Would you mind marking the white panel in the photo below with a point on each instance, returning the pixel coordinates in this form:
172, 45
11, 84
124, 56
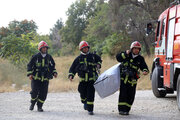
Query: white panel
170, 39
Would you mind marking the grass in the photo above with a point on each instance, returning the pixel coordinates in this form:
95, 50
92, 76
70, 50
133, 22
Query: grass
12, 79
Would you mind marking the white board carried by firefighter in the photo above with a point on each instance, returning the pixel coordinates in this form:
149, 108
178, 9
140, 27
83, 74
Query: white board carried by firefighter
108, 82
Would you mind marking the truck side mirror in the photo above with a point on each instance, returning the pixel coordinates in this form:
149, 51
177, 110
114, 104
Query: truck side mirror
149, 28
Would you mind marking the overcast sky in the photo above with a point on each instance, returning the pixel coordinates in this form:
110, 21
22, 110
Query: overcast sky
44, 12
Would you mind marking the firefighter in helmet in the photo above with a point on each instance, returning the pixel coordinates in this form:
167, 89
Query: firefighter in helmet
131, 61
86, 65
40, 70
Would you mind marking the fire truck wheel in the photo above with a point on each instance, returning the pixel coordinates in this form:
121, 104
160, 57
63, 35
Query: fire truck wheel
155, 80
178, 92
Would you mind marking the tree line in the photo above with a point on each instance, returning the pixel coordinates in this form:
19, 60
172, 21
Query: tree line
108, 25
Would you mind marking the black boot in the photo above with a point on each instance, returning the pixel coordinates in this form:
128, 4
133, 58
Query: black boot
123, 113
90, 112
40, 109
32, 106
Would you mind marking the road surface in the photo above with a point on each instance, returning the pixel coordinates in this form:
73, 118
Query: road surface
67, 106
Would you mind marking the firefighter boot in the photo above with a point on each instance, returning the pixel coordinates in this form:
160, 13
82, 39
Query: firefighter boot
40, 109
32, 106
90, 112
123, 113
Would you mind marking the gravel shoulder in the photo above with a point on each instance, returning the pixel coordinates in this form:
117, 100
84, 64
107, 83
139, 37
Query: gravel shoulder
67, 106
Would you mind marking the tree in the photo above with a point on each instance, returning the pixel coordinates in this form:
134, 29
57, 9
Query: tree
22, 27
18, 49
116, 43
4, 32
55, 36
99, 28
137, 14
78, 15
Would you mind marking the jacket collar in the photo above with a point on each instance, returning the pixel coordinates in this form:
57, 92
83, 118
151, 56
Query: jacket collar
84, 53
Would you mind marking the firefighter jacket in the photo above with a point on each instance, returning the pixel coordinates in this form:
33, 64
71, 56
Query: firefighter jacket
86, 67
130, 67
41, 68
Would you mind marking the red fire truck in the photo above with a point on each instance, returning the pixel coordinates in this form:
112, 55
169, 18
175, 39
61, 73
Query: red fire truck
165, 74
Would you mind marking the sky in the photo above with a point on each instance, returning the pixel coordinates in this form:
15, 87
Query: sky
44, 12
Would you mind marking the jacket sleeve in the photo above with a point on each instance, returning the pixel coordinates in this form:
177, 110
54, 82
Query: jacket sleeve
143, 65
98, 59
52, 63
121, 56
31, 65
72, 70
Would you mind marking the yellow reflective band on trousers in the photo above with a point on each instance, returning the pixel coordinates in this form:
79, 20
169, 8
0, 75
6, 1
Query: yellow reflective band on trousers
123, 56
90, 103
83, 99
41, 101
124, 104
33, 99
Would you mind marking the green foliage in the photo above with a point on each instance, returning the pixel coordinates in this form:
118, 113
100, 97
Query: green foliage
78, 15
19, 41
18, 49
22, 27
4, 32
98, 28
116, 43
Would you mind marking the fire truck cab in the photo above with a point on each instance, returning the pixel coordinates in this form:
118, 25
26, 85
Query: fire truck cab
165, 74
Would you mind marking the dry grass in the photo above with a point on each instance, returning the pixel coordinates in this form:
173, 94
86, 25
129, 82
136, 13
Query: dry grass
9, 76
61, 83
11, 79
144, 83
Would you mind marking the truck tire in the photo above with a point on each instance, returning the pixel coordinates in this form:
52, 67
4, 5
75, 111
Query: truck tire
178, 92
155, 80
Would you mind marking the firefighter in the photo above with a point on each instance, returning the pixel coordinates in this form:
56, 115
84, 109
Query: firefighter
86, 65
131, 61
40, 70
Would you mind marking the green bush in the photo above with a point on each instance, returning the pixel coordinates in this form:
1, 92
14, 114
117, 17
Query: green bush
116, 43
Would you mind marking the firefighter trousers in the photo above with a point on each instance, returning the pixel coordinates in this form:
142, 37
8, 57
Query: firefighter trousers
39, 92
87, 94
126, 96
